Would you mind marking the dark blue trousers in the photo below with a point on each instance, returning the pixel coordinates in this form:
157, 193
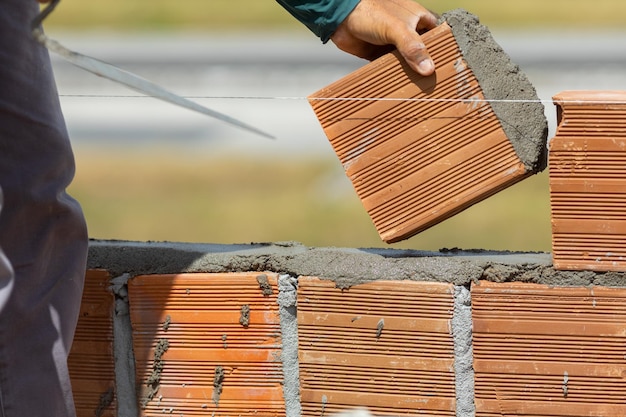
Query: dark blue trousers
42, 230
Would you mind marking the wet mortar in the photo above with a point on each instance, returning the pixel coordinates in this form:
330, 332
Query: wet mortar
244, 318
218, 381
167, 322
264, 285
514, 99
153, 382
345, 266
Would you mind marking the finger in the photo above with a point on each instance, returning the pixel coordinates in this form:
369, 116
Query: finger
427, 21
416, 55
346, 42
410, 44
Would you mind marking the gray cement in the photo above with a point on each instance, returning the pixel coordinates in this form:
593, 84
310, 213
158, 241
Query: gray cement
515, 101
345, 266
123, 350
287, 287
463, 355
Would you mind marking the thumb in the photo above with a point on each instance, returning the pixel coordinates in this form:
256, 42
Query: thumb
416, 55
411, 46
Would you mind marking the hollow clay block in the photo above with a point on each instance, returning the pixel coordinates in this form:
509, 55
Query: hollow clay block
193, 354
421, 149
588, 181
384, 345
545, 346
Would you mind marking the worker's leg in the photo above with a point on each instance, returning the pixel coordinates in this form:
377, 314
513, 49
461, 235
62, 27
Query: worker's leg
6, 272
42, 231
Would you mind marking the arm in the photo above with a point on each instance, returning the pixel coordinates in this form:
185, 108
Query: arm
321, 16
367, 28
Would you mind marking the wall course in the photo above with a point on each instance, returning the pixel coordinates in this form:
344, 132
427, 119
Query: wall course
340, 268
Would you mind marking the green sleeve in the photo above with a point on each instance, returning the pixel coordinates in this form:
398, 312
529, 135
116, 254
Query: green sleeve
321, 16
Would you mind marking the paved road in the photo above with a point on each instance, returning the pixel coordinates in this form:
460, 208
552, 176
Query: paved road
266, 79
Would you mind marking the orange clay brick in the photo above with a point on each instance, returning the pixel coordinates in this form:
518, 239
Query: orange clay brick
383, 345
91, 362
420, 149
549, 351
588, 181
207, 344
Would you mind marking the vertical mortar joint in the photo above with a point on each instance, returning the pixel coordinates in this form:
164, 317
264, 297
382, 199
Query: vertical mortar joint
125, 383
287, 301
461, 326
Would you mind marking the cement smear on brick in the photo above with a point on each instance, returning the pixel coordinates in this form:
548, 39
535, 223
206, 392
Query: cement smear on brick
515, 100
287, 288
463, 355
346, 267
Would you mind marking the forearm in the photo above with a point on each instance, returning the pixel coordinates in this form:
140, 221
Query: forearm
322, 17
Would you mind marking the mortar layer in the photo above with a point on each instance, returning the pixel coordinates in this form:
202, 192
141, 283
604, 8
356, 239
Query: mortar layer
513, 98
345, 266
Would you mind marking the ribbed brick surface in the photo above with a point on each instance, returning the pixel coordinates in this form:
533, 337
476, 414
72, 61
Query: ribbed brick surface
383, 345
417, 150
210, 342
546, 351
91, 362
588, 181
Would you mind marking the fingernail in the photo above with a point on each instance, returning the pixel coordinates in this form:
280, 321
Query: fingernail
426, 66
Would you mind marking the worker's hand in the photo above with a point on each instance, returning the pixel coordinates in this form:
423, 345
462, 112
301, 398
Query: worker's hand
375, 25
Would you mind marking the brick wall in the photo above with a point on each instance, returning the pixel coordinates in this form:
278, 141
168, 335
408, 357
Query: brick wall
286, 330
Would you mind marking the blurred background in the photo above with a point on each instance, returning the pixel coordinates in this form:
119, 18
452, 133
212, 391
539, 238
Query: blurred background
147, 170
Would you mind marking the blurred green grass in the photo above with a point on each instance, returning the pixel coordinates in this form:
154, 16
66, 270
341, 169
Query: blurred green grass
220, 15
178, 196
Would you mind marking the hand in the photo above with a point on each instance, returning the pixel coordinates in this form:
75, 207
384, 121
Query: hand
375, 25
